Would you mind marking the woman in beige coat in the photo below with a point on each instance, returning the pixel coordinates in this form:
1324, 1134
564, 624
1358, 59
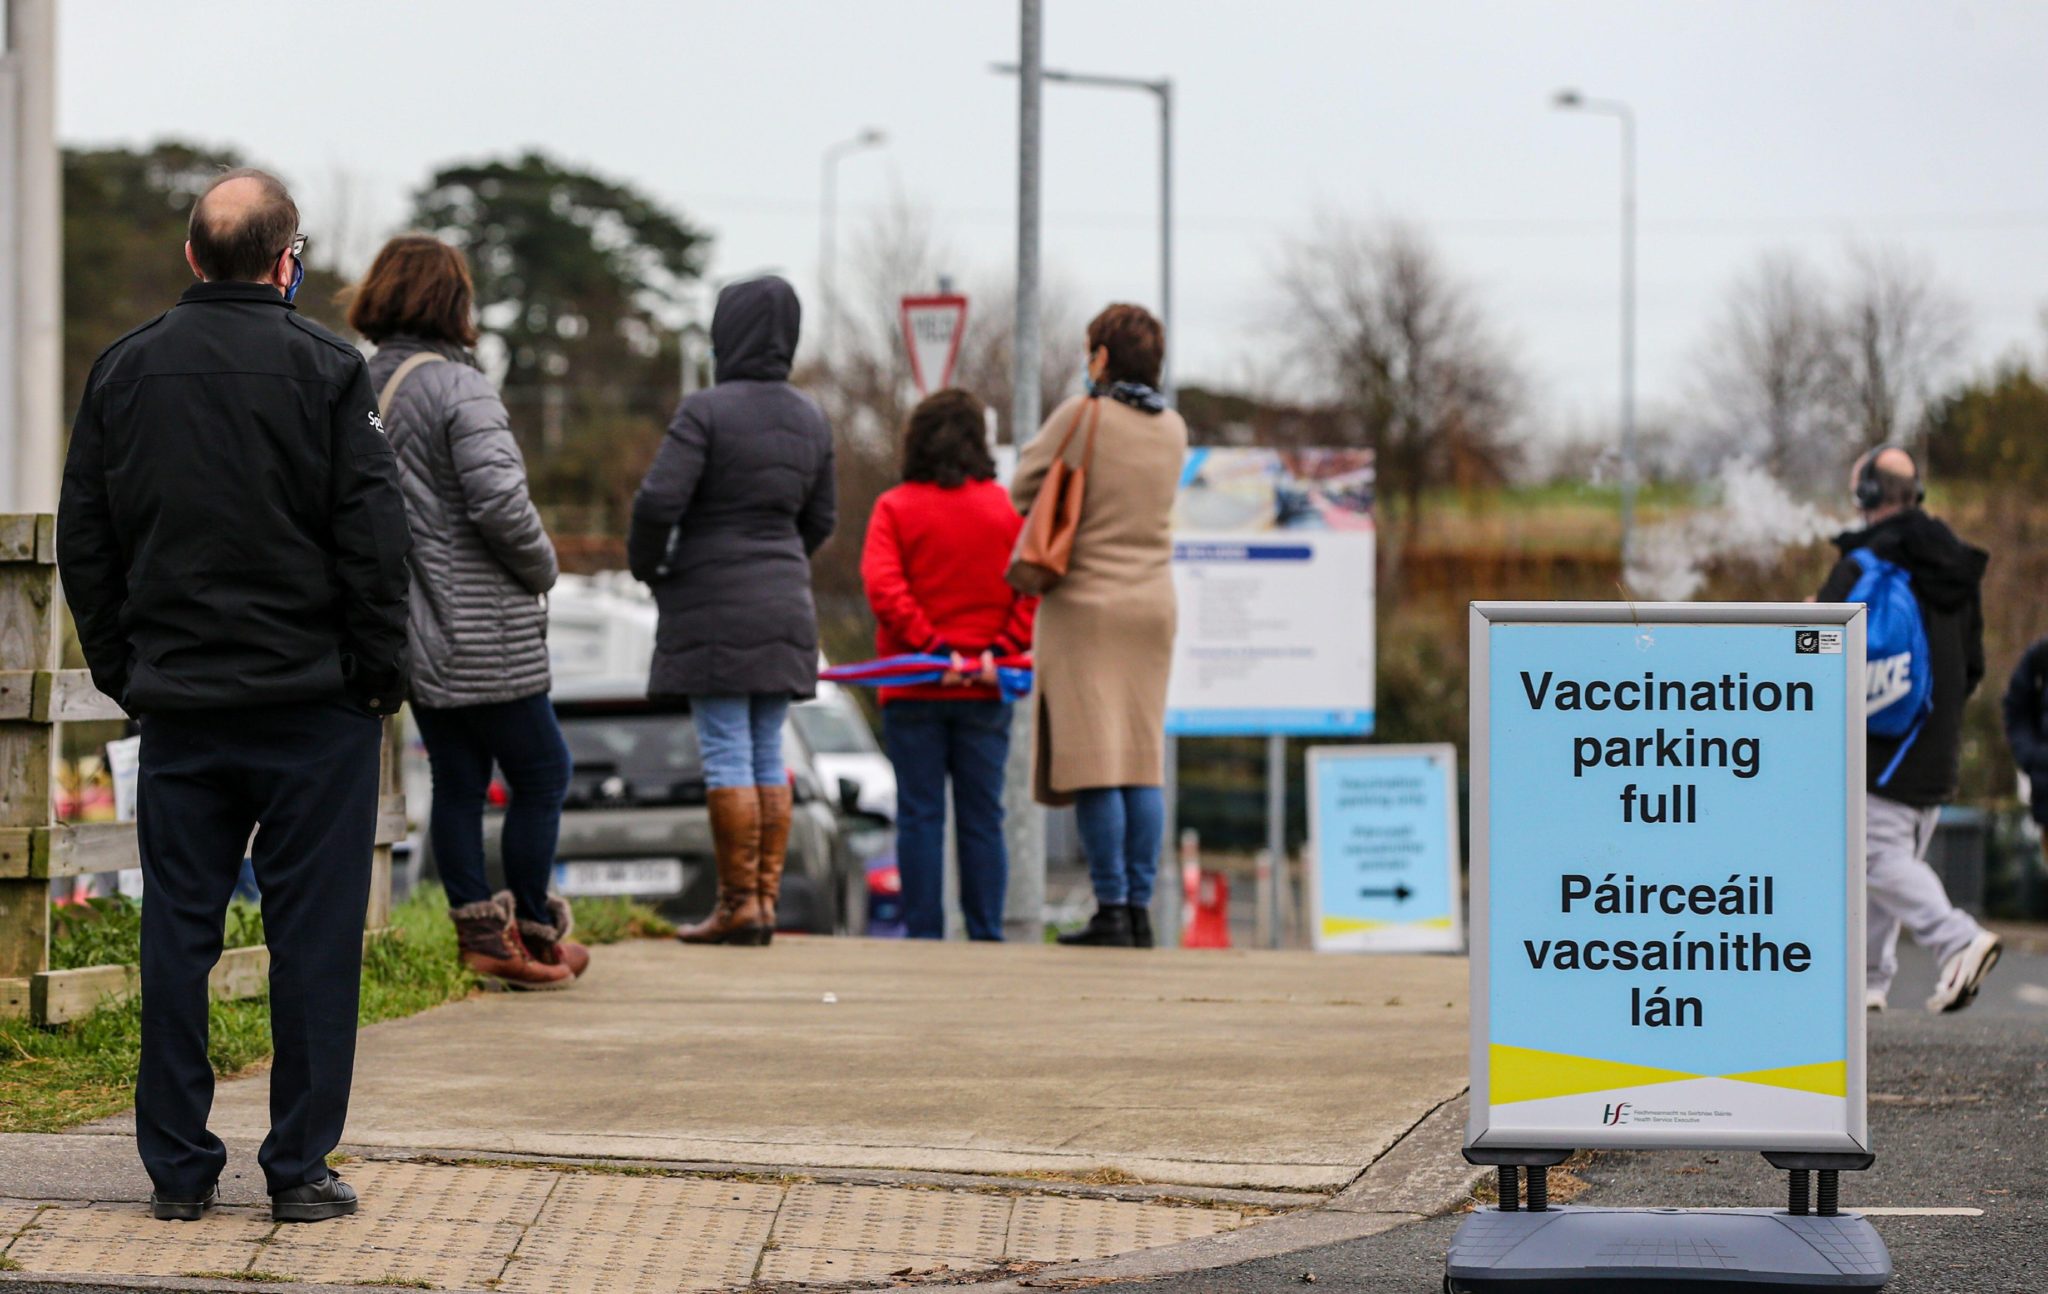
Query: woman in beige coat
1104, 643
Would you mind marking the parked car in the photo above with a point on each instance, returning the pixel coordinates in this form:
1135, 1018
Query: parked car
635, 821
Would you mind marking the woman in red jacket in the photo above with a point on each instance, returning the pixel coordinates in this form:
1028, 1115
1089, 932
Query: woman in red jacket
936, 550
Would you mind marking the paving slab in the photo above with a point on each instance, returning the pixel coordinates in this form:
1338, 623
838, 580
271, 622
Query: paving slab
1281, 1070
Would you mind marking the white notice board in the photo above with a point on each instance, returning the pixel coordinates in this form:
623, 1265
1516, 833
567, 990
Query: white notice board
1667, 876
1273, 566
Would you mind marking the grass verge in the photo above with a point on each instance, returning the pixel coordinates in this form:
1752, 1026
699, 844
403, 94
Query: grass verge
52, 1079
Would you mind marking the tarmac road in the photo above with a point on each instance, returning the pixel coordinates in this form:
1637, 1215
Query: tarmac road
1959, 1118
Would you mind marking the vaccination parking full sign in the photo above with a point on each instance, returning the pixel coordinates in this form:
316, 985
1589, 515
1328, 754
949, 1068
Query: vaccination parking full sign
1667, 876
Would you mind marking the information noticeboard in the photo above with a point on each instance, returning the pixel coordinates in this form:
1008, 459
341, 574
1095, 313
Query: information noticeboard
1667, 876
1273, 566
1383, 849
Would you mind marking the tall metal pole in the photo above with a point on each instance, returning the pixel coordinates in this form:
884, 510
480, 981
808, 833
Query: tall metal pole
828, 228
1621, 112
1628, 334
31, 242
1276, 837
1165, 91
1024, 822
1166, 901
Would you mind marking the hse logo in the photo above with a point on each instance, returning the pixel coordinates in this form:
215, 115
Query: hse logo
1817, 642
1615, 1113
1887, 681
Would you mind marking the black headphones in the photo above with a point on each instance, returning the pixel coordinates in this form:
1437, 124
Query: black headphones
1870, 490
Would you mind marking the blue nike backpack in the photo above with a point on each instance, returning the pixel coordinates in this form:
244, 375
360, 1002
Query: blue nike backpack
1898, 678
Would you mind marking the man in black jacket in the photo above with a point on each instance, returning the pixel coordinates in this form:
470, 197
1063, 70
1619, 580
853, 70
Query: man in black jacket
233, 544
1901, 810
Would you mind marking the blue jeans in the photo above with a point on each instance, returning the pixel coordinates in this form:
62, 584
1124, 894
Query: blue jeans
1120, 829
969, 741
522, 738
741, 739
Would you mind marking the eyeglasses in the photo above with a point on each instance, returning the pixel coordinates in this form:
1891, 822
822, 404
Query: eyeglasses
298, 246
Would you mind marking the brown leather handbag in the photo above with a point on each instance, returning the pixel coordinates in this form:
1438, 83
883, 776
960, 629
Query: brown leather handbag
1046, 543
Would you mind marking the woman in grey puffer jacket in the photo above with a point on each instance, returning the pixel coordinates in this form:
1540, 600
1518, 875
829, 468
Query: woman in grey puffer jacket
481, 567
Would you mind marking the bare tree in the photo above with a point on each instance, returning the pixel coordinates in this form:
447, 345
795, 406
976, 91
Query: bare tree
1897, 330
1803, 375
1768, 374
1402, 348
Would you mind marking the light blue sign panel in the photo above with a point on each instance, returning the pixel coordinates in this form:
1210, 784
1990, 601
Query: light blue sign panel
1671, 869
1383, 849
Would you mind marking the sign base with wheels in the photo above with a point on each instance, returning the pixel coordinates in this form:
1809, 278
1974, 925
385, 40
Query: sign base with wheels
1636, 1251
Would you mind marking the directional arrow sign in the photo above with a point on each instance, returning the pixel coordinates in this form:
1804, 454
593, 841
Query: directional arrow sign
1383, 849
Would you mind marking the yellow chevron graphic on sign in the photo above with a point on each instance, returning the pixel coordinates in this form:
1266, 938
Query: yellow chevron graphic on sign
1525, 1074
1352, 925
1829, 1078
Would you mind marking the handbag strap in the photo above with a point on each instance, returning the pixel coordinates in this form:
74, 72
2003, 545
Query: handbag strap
1091, 409
397, 379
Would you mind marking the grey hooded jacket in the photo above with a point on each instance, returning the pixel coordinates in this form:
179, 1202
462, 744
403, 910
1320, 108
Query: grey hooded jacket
481, 560
739, 496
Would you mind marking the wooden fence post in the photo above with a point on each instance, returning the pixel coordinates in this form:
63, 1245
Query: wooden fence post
28, 645
35, 696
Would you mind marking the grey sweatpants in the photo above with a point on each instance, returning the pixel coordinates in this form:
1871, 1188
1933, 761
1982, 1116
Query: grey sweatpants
1902, 890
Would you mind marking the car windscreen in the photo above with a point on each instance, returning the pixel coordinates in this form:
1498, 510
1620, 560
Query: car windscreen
632, 758
832, 730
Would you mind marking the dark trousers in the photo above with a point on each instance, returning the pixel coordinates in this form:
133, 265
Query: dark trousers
968, 741
308, 775
524, 740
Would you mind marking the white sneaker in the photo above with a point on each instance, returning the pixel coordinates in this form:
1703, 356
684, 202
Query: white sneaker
1875, 1001
1964, 973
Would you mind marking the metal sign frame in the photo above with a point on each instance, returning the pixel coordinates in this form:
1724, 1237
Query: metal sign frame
949, 301
1444, 751
1485, 615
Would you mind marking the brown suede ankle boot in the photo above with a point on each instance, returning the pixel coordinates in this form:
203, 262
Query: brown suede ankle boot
490, 946
548, 942
736, 838
777, 808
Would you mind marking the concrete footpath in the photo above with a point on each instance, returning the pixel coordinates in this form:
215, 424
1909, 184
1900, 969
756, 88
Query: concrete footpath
826, 1111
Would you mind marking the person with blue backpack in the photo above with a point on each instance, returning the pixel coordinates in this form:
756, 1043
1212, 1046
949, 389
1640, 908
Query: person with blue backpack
1924, 632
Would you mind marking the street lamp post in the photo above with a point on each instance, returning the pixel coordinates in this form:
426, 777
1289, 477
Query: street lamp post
1572, 100
872, 137
1161, 89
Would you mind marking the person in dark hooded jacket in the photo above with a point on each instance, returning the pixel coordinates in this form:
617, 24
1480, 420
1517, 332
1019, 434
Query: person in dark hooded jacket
1901, 810
2026, 726
738, 498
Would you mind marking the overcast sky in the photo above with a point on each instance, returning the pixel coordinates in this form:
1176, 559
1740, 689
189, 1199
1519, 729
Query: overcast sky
1765, 125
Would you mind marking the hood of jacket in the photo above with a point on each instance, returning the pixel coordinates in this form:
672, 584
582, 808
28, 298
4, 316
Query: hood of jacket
1945, 570
754, 330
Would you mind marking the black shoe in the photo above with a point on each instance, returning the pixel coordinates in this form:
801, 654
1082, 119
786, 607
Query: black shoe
315, 1202
1141, 926
1110, 927
164, 1210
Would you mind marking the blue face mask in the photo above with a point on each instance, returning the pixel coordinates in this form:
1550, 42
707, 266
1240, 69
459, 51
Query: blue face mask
1090, 385
298, 277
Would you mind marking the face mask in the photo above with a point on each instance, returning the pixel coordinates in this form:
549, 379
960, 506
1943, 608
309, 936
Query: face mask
1090, 385
298, 277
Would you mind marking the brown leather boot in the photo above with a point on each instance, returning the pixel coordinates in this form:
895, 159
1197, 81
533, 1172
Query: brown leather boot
490, 946
736, 838
777, 808
548, 942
